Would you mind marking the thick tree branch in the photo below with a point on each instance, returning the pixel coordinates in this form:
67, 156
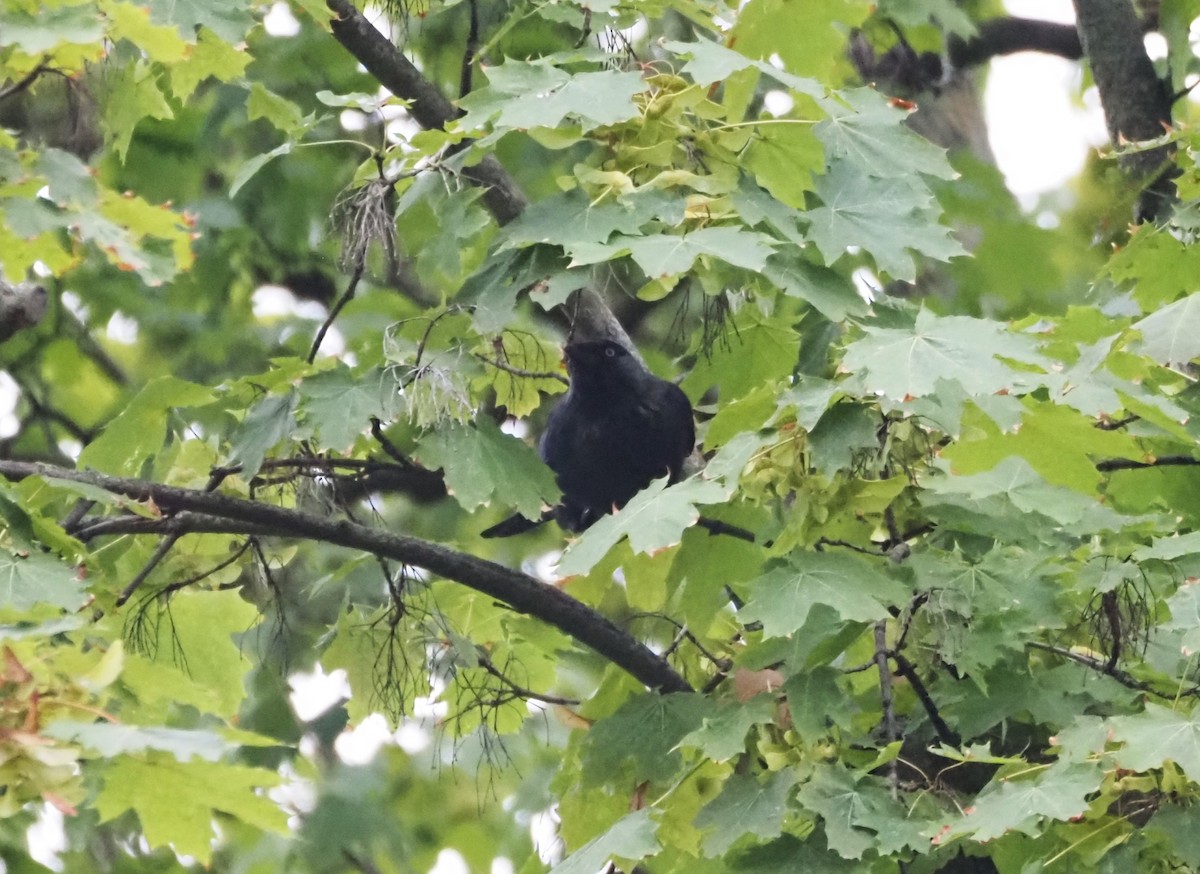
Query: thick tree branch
1136, 104
1009, 35
519, 591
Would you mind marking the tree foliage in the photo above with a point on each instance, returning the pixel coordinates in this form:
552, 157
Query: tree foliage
281, 306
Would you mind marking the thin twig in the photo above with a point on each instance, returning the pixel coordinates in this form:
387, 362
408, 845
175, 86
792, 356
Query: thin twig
53, 414
388, 446
27, 80
913, 606
1101, 667
684, 634
195, 578
858, 669
516, 371
826, 541
1117, 424
347, 296
366, 866
906, 670
160, 553
76, 515
716, 526
521, 691
1132, 464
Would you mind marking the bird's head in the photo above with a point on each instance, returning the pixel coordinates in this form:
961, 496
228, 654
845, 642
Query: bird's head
602, 366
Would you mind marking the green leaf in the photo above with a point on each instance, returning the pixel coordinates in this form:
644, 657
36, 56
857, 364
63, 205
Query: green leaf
29, 577
279, 111
246, 172
831, 294
270, 421
481, 465
790, 854
530, 94
1013, 478
846, 433
1184, 605
746, 805
338, 404
711, 62
631, 837
806, 37
571, 218
757, 207
175, 801
856, 813
195, 634
1178, 823
664, 255
824, 702
942, 13
40, 27
1169, 548
161, 44
784, 157
1158, 735
654, 519
520, 395
1057, 442
228, 19
782, 598
1171, 335
758, 351
131, 94
889, 218
659, 722
1159, 266
1059, 792
722, 735
902, 363
139, 432
211, 58
868, 133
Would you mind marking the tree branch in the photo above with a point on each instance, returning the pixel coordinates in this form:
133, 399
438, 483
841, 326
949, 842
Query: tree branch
890, 727
429, 107
1109, 464
1009, 35
1136, 104
1101, 666
519, 591
23, 83
590, 315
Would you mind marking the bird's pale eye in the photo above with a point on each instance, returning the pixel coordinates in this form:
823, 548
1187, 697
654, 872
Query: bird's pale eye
610, 352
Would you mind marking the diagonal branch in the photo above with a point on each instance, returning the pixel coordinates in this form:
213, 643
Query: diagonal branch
429, 107
519, 591
590, 316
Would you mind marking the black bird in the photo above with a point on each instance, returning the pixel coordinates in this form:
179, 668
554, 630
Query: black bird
618, 428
